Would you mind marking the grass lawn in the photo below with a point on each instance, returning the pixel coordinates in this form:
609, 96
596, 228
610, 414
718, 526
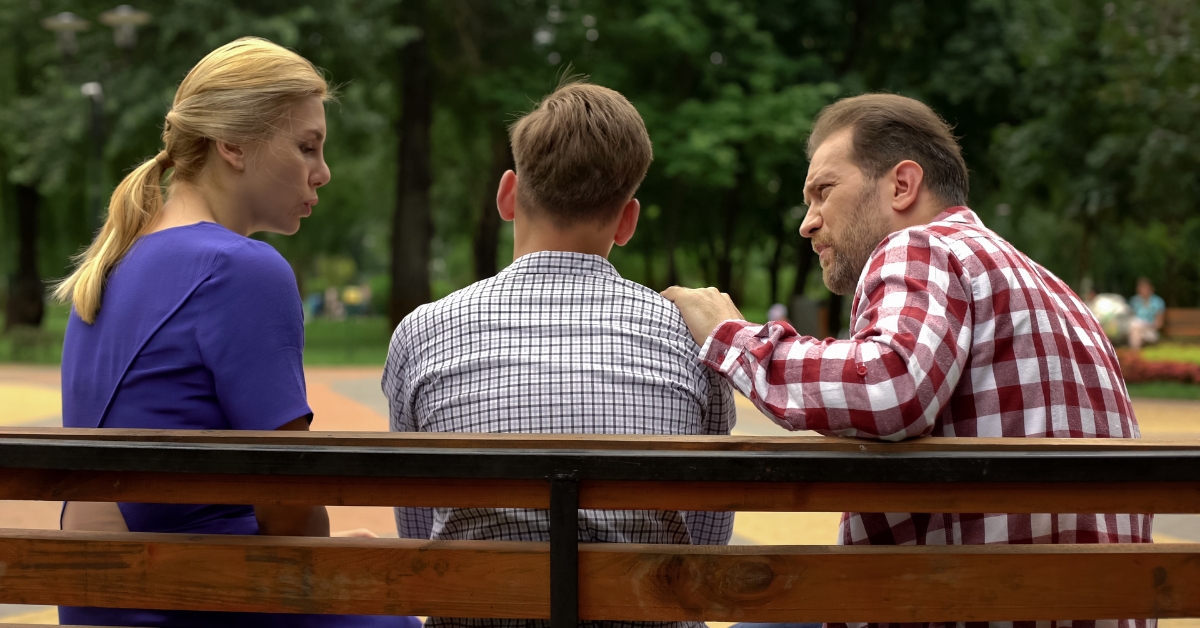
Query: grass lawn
354, 341
364, 342
1173, 352
1165, 390
359, 341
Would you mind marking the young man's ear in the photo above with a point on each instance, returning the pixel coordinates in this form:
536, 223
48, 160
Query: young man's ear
907, 177
232, 154
628, 222
506, 196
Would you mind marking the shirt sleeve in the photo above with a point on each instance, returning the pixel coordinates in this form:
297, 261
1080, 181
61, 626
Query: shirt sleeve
411, 522
251, 337
891, 379
714, 528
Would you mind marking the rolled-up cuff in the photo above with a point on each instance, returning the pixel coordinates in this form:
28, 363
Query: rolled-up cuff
727, 336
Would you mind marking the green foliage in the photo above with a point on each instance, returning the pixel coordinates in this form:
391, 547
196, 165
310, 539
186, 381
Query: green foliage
1080, 121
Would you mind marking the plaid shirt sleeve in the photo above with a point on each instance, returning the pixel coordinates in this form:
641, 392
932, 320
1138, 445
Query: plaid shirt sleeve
411, 523
714, 528
912, 325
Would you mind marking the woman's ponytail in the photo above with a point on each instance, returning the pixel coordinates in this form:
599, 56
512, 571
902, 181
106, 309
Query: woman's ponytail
234, 94
134, 205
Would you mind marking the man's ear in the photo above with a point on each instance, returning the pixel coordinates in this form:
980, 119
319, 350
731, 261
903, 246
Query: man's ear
907, 178
232, 154
506, 196
627, 224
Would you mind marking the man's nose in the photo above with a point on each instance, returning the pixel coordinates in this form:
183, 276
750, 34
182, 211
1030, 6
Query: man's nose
812, 222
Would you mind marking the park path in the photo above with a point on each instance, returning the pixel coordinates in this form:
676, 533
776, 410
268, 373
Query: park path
349, 398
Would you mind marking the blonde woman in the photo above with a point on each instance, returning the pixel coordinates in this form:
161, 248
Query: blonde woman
181, 321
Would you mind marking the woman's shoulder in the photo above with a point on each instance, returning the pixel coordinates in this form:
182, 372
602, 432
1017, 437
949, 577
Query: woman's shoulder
231, 261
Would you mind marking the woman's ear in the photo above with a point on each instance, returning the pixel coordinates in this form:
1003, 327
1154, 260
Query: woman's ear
627, 224
232, 154
506, 196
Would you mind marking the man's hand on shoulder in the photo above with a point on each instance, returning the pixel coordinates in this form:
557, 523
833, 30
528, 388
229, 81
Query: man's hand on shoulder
703, 310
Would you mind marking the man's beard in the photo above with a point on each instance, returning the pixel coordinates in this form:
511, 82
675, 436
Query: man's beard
866, 228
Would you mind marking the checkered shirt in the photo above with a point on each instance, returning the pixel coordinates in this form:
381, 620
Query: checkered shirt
557, 342
954, 333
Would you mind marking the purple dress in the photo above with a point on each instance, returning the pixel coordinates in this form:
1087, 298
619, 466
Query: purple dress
202, 329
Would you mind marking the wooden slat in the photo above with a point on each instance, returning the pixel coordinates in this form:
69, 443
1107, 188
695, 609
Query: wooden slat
630, 442
1182, 322
274, 574
1138, 497
498, 579
182, 488
890, 584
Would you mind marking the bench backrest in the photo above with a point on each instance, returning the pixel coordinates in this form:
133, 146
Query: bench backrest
565, 581
1182, 323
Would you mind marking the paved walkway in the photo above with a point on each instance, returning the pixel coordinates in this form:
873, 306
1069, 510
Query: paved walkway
349, 399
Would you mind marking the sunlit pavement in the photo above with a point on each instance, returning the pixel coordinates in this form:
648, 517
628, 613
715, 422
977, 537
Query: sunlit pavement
350, 399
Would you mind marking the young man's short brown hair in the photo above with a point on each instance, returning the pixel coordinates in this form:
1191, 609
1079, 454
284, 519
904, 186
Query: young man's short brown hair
889, 129
580, 154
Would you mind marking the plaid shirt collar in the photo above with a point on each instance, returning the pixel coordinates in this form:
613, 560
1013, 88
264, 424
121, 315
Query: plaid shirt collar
561, 263
959, 214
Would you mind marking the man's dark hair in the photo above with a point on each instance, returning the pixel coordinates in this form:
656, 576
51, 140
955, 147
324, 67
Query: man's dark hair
889, 129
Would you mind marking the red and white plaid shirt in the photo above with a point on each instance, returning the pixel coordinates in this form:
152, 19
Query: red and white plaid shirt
954, 332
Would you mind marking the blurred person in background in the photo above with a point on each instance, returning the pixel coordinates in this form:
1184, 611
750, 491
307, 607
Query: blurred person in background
1149, 314
181, 321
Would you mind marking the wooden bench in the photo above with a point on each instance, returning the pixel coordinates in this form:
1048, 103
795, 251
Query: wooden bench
1182, 323
566, 581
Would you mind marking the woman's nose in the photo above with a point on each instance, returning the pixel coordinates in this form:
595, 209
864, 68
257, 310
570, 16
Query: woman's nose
322, 175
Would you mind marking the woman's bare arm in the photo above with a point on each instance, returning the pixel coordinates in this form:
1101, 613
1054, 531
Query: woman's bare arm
293, 520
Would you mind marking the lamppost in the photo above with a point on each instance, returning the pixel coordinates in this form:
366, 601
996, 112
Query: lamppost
124, 21
64, 26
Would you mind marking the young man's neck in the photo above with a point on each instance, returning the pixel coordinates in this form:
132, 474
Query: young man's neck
533, 236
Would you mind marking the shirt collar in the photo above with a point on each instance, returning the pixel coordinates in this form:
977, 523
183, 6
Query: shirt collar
561, 263
959, 214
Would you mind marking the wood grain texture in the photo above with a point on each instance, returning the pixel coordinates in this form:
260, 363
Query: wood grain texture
783, 442
1138, 497
274, 574
892, 584
643, 582
183, 488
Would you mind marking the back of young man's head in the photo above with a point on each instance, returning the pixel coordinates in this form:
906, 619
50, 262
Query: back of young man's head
580, 155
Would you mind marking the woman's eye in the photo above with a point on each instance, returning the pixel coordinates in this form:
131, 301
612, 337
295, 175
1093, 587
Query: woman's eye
306, 149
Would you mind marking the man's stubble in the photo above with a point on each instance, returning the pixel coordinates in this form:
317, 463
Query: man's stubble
866, 228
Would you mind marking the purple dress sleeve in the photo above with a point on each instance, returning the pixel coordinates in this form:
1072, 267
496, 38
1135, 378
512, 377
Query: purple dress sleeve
251, 337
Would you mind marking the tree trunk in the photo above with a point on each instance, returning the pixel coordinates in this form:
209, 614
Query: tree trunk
487, 230
412, 227
729, 221
26, 295
773, 271
804, 264
834, 315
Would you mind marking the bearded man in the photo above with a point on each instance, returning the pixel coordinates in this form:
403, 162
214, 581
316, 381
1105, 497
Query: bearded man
954, 332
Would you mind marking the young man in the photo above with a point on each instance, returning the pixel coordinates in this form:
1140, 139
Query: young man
954, 331
558, 342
